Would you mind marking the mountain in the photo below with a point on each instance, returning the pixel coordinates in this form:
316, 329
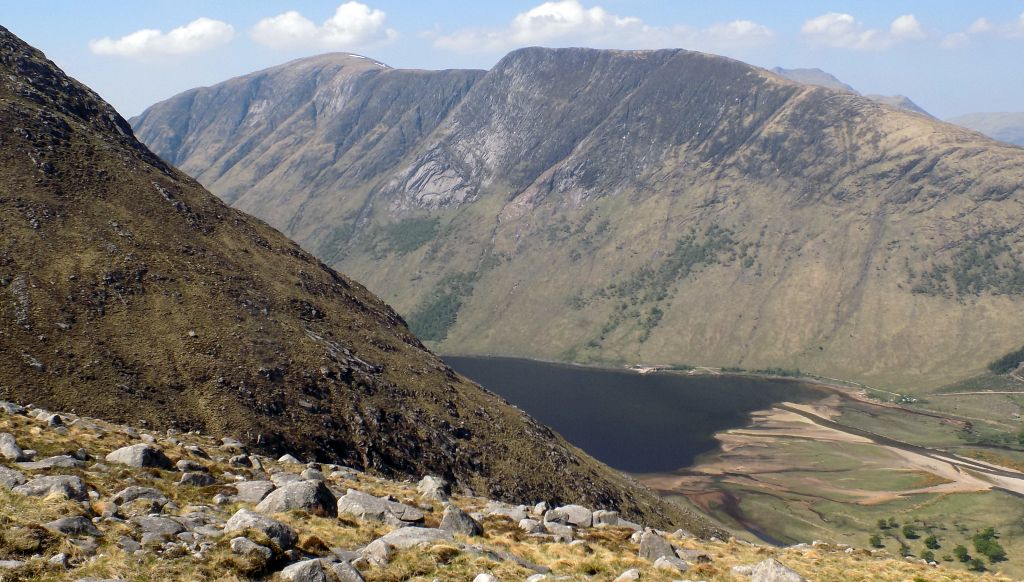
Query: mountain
1008, 127
815, 77
665, 207
131, 293
820, 78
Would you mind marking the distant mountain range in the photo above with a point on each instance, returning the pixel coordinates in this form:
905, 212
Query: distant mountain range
822, 79
129, 292
1008, 127
617, 207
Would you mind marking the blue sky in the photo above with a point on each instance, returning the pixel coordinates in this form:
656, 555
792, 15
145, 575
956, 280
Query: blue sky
949, 56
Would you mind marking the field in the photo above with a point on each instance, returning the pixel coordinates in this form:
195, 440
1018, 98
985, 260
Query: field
836, 470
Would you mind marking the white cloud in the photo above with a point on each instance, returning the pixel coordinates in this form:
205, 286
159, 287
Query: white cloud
353, 25
569, 22
200, 35
906, 27
981, 25
956, 40
839, 30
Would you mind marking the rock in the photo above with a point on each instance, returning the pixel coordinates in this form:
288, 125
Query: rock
563, 532
9, 448
378, 552
497, 508
604, 517
11, 408
282, 535
141, 455
60, 560
53, 420
628, 575
252, 491
128, 544
346, 572
410, 537
540, 508
73, 526
289, 459
459, 522
771, 570
310, 496
576, 515
11, 564
58, 462
431, 487
240, 461
531, 525
695, 556
187, 466
365, 506
129, 494
194, 479
312, 475
485, 578
67, 485
671, 563
245, 547
9, 478
653, 546
158, 525
305, 571
282, 478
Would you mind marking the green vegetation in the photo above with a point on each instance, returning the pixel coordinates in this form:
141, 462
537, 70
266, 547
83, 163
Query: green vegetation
985, 544
408, 235
910, 532
437, 313
927, 555
875, 541
986, 264
1007, 363
931, 542
960, 552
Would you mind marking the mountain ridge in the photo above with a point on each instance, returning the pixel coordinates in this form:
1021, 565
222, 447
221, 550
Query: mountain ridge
591, 206
130, 292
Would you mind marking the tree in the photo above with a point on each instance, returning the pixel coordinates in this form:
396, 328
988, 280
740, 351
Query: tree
875, 540
931, 542
976, 565
961, 554
882, 524
985, 544
909, 532
928, 555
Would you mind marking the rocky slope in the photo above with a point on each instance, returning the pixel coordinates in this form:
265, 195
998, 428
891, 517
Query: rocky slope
131, 293
657, 206
82, 499
1008, 127
820, 78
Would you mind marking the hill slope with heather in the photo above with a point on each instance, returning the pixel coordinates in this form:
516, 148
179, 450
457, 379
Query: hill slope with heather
665, 207
131, 293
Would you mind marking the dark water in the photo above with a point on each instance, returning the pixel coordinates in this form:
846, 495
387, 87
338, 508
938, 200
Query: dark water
636, 423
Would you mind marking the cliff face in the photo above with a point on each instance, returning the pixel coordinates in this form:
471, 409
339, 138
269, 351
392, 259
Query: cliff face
656, 206
129, 292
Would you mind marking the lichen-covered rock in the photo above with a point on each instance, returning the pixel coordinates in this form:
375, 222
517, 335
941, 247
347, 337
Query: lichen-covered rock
310, 496
458, 521
140, 455
69, 486
280, 534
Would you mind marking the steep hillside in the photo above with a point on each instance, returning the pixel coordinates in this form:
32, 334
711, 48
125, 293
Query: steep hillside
654, 206
131, 293
221, 514
820, 78
1008, 127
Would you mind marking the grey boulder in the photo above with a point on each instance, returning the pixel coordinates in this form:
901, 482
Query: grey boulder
244, 520
9, 448
67, 485
431, 487
131, 493
459, 522
346, 572
196, 479
410, 537
305, 571
771, 570
310, 496
140, 455
653, 546
9, 478
368, 507
73, 526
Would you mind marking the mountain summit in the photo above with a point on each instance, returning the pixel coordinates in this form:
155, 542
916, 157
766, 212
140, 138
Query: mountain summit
661, 207
131, 293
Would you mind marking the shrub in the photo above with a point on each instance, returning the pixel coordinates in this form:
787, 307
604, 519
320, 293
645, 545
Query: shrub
931, 542
961, 554
928, 555
875, 540
909, 532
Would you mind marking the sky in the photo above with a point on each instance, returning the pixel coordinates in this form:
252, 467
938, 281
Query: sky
950, 56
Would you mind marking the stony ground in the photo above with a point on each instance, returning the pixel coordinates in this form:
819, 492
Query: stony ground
82, 499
